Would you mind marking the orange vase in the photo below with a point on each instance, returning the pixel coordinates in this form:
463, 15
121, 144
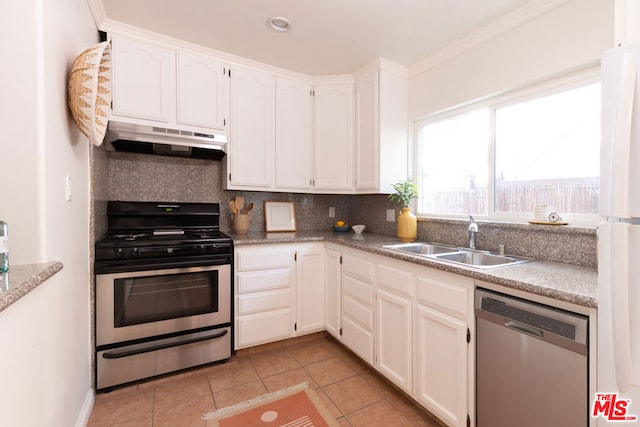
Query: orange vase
407, 226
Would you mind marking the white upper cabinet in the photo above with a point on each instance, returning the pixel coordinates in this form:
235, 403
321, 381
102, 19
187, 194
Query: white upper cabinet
381, 130
367, 143
202, 88
251, 147
143, 80
159, 86
333, 137
294, 135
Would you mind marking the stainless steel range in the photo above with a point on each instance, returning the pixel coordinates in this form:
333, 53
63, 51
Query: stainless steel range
163, 290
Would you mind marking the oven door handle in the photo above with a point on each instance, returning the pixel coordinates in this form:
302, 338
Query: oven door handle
139, 349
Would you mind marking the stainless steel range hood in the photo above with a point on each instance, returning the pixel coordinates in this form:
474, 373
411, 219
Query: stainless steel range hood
164, 141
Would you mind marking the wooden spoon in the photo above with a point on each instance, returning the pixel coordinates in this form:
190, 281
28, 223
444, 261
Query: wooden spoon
239, 201
247, 208
233, 206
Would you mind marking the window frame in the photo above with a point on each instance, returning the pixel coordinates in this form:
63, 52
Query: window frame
539, 89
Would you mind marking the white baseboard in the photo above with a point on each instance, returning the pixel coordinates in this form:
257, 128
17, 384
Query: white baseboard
85, 412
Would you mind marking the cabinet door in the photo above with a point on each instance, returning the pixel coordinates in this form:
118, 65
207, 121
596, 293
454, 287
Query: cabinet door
367, 161
333, 289
394, 339
294, 135
310, 289
202, 89
441, 365
333, 137
143, 80
251, 143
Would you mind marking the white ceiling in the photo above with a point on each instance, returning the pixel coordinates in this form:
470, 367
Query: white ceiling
327, 36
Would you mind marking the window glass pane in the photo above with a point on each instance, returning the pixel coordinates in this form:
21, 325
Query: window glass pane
547, 152
453, 165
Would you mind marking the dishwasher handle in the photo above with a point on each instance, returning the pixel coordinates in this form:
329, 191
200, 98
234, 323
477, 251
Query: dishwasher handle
524, 328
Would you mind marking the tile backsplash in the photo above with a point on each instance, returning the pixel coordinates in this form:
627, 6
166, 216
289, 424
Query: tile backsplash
144, 177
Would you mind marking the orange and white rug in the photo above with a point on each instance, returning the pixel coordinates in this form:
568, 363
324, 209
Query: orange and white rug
296, 406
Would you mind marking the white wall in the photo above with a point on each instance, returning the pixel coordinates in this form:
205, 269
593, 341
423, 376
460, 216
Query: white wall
46, 336
564, 38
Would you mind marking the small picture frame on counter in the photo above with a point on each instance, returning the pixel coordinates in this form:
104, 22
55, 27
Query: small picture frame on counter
279, 216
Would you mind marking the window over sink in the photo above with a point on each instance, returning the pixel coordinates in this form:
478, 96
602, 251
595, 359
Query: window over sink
500, 157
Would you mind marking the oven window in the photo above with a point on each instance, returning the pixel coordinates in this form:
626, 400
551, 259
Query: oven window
152, 298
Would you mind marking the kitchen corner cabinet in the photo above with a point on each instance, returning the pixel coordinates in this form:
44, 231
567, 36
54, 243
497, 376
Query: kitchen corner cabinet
294, 135
279, 292
381, 151
443, 352
333, 137
159, 86
310, 280
251, 147
333, 292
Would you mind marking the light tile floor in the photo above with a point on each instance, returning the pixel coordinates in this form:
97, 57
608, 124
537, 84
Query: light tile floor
353, 392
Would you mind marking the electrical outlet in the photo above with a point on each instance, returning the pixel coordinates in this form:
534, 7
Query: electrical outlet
332, 212
391, 215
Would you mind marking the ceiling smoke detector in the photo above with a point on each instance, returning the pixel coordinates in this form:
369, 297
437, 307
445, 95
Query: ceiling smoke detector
278, 23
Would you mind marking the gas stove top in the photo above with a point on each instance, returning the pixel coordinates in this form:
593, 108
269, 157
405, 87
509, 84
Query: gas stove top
159, 233
170, 236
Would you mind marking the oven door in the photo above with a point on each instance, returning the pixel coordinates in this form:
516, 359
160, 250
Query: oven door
143, 304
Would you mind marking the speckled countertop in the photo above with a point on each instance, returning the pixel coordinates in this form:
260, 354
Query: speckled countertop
565, 282
21, 279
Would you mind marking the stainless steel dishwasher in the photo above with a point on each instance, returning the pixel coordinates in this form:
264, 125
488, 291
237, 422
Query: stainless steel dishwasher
531, 364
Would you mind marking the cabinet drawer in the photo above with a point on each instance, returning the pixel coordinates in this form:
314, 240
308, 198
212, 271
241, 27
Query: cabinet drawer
357, 267
357, 289
264, 301
263, 258
395, 280
358, 339
262, 280
263, 327
445, 292
358, 312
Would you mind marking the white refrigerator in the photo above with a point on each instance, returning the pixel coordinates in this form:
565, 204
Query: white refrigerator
617, 401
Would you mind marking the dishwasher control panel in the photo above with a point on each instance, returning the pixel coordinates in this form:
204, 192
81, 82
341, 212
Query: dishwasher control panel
535, 320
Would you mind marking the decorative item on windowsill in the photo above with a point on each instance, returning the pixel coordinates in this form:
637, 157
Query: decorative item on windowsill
405, 192
240, 214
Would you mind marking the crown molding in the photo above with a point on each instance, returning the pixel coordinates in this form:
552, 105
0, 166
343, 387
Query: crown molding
96, 7
111, 26
382, 64
506, 23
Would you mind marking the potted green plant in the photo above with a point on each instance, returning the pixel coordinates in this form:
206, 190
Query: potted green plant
404, 193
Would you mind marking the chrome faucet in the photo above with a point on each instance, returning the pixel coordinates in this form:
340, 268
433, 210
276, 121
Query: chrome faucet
473, 231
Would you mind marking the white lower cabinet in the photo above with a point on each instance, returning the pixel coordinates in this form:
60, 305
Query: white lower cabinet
412, 323
279, 292
333, 292
310, 288
394, 319
394, 338
443, 353
357, 306
441, 365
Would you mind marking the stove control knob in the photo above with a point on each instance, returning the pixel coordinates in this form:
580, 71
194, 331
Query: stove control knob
119, 253
135, 252
203, 249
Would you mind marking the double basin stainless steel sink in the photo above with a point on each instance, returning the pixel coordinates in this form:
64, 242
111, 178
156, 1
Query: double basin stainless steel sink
456, 255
